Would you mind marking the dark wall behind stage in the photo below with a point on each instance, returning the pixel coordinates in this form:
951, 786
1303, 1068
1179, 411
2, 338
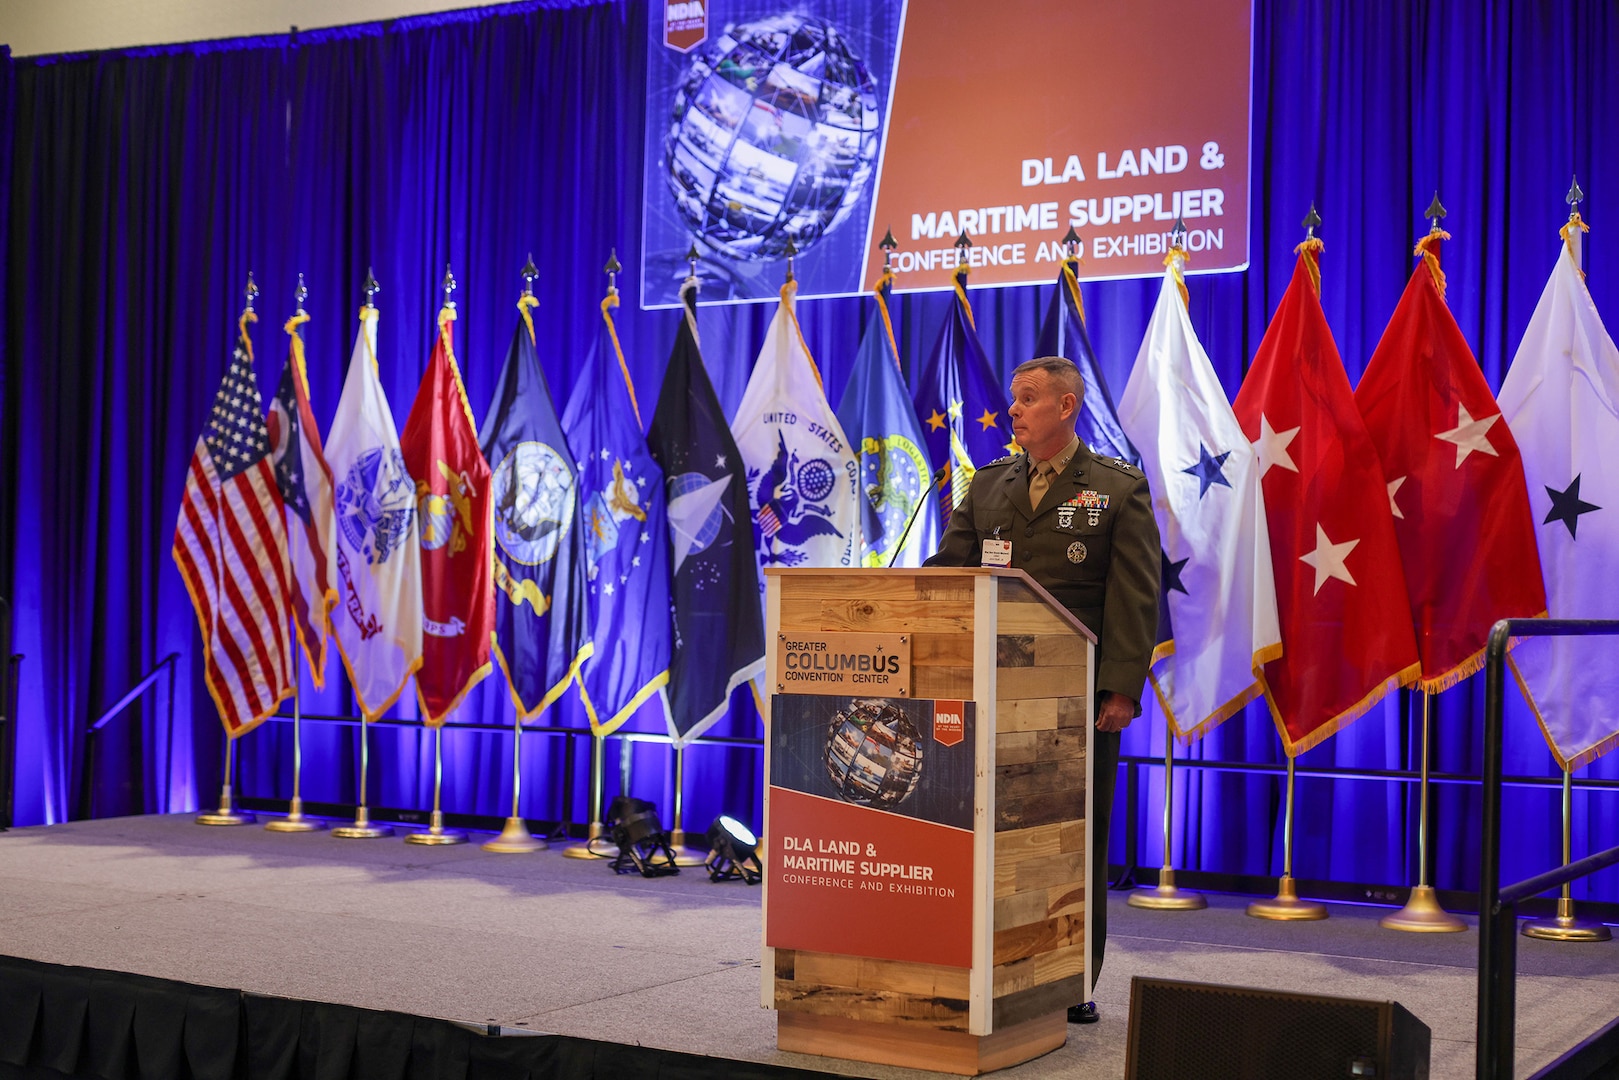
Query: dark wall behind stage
143, 185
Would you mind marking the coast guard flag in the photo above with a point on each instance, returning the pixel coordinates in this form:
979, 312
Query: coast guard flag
1218, 581
305, 481
626, 539
1561, 400
961, 403
1340, 592
880, 421
718, 620
801, 471
1063, 334
1456, 487
542, 625
231, 548
377, 623
441, 451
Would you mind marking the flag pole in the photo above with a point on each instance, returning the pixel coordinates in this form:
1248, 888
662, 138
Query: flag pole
685, 856
586, 850
1422, 913
1166, 897
295, 822
1286, 905
436, 834
514, 838
1565, 925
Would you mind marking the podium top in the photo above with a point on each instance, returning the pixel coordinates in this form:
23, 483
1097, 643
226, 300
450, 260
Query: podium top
1008, 573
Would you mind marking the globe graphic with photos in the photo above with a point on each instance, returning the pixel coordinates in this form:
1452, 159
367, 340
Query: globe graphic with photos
873, 754
772, 137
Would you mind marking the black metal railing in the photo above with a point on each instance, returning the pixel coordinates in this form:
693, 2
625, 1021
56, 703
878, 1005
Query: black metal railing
9, 665
1498, 921
92, 733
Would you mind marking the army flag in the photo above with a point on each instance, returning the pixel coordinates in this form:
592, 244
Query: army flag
1455, 481
305, 482
1561, 400
718, 620
542, 624
801, 471
878, 417
961, 403
1217, 578
441, 451
377, 623
231, 548
1340, 590
626, 529
1063, 334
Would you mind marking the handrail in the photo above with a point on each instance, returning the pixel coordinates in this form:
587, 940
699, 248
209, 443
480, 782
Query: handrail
537, 729
87, 803
151, 676
1410, 776
1498, 921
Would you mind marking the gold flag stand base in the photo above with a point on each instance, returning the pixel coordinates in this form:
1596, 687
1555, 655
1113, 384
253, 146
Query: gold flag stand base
1286, 906
1422, 915
226, 814
1166, 897
583, 850
1566, 926
362, 829
437, 835
295, 821
684, 856
515, 839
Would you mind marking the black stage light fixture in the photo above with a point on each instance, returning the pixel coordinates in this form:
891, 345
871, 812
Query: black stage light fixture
733, 852
643, 846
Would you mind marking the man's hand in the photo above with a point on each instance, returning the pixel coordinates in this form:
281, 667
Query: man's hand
1115, 712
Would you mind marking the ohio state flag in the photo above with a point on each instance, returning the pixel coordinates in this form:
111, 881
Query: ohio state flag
1340, 589
441, 451
1455, 481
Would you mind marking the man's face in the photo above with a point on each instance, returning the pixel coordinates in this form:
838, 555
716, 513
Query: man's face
1042, 413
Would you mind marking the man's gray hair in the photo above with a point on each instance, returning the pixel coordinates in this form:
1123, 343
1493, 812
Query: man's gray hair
1060, 369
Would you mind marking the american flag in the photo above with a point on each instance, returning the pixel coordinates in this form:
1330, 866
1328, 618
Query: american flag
231, 547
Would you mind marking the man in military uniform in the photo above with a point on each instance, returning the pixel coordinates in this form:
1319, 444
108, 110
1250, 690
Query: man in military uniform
1082, 526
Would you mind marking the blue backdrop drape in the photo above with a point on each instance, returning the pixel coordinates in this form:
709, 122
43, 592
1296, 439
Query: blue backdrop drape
144, 184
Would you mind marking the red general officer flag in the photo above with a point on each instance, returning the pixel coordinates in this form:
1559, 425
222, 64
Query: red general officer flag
1455, 481
1340, 591
441, 451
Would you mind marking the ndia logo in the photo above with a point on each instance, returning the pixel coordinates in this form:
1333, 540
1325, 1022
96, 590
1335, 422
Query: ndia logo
685, 24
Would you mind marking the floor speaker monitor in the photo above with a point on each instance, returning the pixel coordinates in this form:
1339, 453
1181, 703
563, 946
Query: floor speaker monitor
1185, 1029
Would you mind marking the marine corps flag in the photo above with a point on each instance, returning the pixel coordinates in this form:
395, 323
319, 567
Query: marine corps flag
1340, 592
1218, 584
1561, 400
880, 421
626, 539
441, 451
377, 623
305, 481
800, 469
1455, 481
961, 403
542, 626
1063, 334
719, 623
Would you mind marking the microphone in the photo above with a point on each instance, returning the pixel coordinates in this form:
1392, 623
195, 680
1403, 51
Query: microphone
938, 474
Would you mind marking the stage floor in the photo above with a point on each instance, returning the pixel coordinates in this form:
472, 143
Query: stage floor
565, 946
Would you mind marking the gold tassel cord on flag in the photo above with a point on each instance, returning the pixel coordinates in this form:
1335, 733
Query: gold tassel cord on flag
1313, 247
1576, 224
1425, 248
369, 310
1070, 280
609, 302
1176, 260
959, 279
887, 280
329, 600
446, 316
524, 303
788, 291
241, 328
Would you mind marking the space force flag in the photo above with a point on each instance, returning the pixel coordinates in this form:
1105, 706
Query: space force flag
441, 451
801, 471
1455, 481
626, 539
878, 417
542, 625
305, 481
1218, 581
1063, 334
377, 623
718, 619
1561, 400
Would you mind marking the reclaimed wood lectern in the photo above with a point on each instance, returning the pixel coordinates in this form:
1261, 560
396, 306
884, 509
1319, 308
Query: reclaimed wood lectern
927, 779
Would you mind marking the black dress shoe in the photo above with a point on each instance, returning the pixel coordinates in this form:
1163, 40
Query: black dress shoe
1083, 1014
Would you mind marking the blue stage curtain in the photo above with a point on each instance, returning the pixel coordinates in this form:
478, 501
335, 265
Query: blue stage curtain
146, 183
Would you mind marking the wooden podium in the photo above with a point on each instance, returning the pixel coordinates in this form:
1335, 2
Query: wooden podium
995, 638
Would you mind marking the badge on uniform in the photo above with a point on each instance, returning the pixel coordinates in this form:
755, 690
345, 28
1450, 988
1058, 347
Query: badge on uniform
1065, 516
996, 553
1093, 503
1076, 552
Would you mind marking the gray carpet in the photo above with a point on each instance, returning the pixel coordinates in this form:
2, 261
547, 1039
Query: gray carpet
562, 945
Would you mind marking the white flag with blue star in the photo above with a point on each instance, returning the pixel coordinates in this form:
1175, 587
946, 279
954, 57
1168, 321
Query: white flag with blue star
1561, 400
1217, 623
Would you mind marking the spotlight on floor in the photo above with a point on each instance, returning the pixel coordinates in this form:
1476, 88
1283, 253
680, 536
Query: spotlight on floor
733, 852
643, 846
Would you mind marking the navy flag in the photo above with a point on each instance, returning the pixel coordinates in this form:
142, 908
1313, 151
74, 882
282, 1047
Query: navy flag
1063, 334
718, 623
626, 526
542, 628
